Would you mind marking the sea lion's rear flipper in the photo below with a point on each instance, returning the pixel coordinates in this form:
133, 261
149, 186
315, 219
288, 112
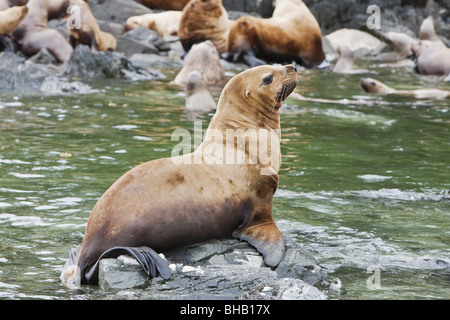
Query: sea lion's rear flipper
267, 239
150, 261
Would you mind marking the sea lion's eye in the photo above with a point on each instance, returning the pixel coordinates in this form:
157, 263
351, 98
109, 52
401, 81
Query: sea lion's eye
372, 83
268, 80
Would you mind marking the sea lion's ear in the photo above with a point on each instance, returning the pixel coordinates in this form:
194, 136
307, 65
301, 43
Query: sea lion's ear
247, 93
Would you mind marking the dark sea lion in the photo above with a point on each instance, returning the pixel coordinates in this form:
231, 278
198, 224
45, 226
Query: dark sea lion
224, 188
291, 34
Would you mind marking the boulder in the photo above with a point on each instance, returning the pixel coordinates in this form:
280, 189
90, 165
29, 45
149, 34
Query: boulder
221, 269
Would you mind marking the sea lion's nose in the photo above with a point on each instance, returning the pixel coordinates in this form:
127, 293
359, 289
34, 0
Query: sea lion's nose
290, 68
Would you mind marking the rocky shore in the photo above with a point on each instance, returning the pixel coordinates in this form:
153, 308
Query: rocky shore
222, 269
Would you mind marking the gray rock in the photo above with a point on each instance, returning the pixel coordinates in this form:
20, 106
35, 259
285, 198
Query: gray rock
85, 64
141, 40
225, 269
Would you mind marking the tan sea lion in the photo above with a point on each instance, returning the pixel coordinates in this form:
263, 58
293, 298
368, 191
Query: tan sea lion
204, 20
375, 86
224, 188
355, 40
427, 31
198, 95
33, 33
165, 4
432, 58
205, 58
291, 34
345, 63
89, 32
11, 18
165, 23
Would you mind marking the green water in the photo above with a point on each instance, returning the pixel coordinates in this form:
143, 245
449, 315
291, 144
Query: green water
361, 185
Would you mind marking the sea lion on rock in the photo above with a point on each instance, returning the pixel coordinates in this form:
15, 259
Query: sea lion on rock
224, 188
345, 63
11, 18
33, 33
165, 23
432, 58
375, 86
198, 95
89, 32
204, 57
360, 42
204, 20
165, 4
291, 34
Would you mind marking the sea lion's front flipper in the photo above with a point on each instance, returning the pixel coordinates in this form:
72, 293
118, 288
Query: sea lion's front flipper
266, 238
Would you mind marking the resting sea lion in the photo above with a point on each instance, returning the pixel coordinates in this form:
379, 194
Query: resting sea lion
291, 34
165, 23
90, 33
223, 188
33, 34
345, 63
11, 18
355, 40
431, 58
374, 86
165, 4
198, 95
205, 58
204, 20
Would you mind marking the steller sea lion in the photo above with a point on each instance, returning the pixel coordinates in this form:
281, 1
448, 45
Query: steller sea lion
198, 95
205, 58
204, 20
10, 18
165, 4
345, 63
224, 188
89, 32
291, 34
375, 86
33, 33
432, 58
165, 23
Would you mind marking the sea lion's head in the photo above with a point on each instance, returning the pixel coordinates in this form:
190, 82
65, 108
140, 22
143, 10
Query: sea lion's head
259, 90
374, 86
135, 22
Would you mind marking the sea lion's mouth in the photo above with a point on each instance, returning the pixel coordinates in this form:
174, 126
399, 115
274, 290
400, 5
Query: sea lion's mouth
286, 90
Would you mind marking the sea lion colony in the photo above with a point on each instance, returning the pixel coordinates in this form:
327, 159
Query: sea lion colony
262, 88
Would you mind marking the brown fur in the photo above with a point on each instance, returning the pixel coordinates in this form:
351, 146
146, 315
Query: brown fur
292, 33
204, 20
171, 202
33, 34
11, 18
165, 4
90, 33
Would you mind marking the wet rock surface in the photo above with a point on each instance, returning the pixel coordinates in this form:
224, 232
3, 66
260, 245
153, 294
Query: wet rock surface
221, 269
